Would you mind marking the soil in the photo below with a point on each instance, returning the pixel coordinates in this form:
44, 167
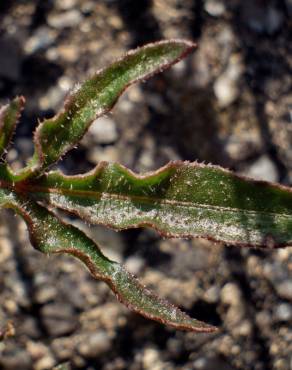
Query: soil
229, 103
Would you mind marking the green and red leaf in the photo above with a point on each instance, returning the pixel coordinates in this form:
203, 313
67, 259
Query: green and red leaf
180, 200
97, 95
9, 116
49, 234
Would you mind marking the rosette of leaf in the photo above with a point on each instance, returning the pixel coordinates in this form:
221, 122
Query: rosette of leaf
179, 200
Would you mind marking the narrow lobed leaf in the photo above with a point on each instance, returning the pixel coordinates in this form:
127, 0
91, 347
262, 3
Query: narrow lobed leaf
180, 200
9, 116
96, 96
49, 235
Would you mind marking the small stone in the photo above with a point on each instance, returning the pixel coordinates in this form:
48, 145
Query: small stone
108, 154
284, 289
146, 160
69, 18
208, 363
5, 249
29, 327
244, 328
283, 312
52, 99
95, 344
63, 347
10, 306
69, 53
226, 87
230, 294
214, 7
106, 316
151, 359
45, 294
134, 264
36, 349
111, 241
116, 22
40, 40
103, 131
65, 83
66, 4
15, 359
263, 169
212, 294
52, 54
45, 363
59, 319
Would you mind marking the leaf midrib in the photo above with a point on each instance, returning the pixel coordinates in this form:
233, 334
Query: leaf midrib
29, 188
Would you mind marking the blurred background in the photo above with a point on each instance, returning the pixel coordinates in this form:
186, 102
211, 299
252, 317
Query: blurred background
229, 103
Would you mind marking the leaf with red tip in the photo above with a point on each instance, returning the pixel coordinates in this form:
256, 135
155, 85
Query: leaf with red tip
96, 96
179, 200
9, 116
49, 235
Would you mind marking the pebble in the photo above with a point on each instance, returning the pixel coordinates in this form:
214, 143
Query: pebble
103, 131
65, 83
151, 359
63, 347
231, 297
106, 316
5, 248
108, 154
52, 99
263, 169
41, 39
69, 53
242, 145
216, 8
226, 85
66, 4
14, 358
94, 344
45, 363
284, 289
69, 18
283, 312
30, 328
59, 319
41, 355
212, 294
230, 294
208, 363
112, 242
134, 264
45, 294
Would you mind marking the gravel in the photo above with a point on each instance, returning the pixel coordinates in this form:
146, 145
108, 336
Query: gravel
228, 104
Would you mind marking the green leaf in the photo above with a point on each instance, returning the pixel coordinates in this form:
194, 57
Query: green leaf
180, 200
49, 235
96, 96
9, 116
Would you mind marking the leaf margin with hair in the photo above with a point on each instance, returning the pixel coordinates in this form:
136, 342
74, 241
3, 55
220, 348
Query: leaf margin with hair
9, 116
183, 194
51, 235
97, 96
